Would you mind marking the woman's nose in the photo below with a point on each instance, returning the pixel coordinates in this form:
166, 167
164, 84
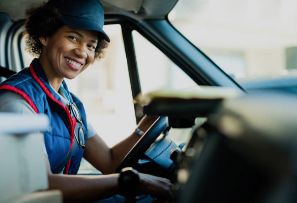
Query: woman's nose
81, 51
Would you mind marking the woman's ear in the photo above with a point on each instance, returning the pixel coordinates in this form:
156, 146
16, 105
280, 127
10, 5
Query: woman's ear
43, 40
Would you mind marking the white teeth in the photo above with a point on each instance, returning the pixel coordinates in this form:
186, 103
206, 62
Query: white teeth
74, 63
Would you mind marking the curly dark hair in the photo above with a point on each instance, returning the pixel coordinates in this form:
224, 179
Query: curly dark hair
44, 21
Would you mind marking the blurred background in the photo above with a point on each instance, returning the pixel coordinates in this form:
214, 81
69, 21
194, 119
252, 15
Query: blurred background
246, 38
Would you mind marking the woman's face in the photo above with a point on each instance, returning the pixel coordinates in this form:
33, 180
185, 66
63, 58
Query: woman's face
68, 52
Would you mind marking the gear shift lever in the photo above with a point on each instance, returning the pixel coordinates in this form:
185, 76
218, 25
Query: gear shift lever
128, 183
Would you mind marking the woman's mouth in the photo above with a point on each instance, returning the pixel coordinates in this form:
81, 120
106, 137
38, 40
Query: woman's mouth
74, 65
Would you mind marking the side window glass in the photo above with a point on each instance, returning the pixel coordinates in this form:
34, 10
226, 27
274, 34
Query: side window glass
156, 71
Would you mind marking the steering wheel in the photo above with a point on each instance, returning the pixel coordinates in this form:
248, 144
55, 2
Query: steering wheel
143, 144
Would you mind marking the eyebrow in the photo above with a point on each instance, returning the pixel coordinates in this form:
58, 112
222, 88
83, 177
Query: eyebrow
79, 34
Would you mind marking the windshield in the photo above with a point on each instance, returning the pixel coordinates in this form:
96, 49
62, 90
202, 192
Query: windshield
248, 39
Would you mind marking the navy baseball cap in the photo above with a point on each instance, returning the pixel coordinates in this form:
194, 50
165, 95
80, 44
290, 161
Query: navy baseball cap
81, 14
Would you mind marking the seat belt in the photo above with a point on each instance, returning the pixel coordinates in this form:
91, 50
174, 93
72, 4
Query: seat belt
5, 72
64, 162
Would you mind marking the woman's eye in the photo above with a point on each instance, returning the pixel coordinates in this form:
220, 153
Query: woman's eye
92, 47
73, 38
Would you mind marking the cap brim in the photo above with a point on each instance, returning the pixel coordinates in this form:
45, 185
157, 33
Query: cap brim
83, 24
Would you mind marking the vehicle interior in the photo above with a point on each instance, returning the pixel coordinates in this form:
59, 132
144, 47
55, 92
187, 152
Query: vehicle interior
216, 141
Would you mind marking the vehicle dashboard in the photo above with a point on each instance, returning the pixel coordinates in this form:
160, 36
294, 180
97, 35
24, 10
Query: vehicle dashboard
238, 149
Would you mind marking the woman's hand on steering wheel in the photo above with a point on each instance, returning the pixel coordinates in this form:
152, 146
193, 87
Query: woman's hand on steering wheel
156, 186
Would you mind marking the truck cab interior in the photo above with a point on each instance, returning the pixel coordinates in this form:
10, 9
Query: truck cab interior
216, 141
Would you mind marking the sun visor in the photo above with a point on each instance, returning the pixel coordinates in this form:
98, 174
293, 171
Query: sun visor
150, 9
128, 5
